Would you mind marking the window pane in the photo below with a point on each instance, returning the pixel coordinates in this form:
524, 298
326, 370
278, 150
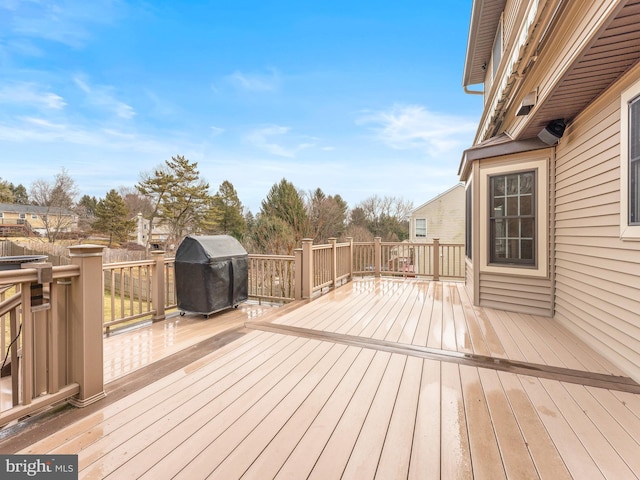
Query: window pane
498, 207
526, 208
526, 183
512, 184
512, 223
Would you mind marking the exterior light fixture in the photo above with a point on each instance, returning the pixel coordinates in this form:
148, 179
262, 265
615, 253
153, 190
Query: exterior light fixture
552, 132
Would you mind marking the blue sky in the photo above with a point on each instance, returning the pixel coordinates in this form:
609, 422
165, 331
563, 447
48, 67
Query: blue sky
356, 98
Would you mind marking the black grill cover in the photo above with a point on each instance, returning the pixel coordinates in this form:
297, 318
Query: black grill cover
211, 273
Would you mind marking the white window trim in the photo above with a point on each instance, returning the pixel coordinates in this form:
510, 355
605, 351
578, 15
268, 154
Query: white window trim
627, 232
415, 227
542, 219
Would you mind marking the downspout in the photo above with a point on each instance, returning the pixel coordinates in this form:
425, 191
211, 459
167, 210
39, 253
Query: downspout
473, 92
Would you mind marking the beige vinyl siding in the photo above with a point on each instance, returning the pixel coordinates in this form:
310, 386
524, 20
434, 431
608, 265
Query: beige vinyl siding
597, 274
516, 294
511, 19
445, 217
517, 291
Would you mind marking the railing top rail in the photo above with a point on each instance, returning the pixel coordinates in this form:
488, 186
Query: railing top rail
272, 257
31, 275
133, 263
321, 247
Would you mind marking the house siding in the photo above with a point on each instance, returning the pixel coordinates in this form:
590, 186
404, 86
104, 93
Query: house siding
597, 274
515, 291
445, 216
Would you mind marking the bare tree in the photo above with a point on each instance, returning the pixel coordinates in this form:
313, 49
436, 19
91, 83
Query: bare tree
58, 199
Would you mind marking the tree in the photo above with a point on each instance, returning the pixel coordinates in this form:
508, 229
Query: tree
227, 212
6, 194
327, 216
136, 203
385, 217
112, 218
180, 199
274, 236
284, 202
86, 209
58, 198
20, 195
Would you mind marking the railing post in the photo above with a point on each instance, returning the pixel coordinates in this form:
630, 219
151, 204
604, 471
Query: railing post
298, 273
334, 261
307, 267
377, 255
436, 259
350, 242
157, 286
85, 324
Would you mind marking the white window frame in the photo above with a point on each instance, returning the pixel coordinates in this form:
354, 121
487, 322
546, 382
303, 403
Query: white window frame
415, 225
541, 267
627, 232
22, 216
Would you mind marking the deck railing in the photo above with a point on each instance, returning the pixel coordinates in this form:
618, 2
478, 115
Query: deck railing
51, 334
272, 277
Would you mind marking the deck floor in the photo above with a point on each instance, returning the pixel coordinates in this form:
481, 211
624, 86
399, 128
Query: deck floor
272, 404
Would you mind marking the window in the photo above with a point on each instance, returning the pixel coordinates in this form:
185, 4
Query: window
634, 162
34, 216
496, 51
421, 227
23, 216
630, 164
512, 218
467, 221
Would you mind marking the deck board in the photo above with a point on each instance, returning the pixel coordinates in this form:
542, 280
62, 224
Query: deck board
271, 404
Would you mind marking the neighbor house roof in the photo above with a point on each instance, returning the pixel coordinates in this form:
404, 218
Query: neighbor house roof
31, 209
458, 185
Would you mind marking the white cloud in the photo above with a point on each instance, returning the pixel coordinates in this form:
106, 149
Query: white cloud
215, 131
102, 96
30, 94
406, 127
255, 82
63, 21
263, 139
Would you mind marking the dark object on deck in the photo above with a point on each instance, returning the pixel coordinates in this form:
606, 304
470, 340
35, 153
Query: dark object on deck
212, 273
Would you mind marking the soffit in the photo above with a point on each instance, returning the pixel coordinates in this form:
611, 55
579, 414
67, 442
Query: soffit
608, 57
485, 17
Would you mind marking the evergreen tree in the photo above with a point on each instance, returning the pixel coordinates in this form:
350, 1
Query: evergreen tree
180, 199
285, 203
227, 212
112, 218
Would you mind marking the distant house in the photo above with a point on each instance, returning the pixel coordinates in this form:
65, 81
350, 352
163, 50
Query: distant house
441, 217
553, 177
158, 237
16, 218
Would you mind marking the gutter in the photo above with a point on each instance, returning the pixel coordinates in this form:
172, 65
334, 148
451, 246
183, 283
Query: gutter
472, 92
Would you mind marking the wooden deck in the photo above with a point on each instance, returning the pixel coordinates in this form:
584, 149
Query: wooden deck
374, 380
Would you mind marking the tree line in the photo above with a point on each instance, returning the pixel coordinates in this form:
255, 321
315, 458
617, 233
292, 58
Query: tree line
175, 196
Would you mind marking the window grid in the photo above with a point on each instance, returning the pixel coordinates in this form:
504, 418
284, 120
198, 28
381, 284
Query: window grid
512, 218
421, 227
